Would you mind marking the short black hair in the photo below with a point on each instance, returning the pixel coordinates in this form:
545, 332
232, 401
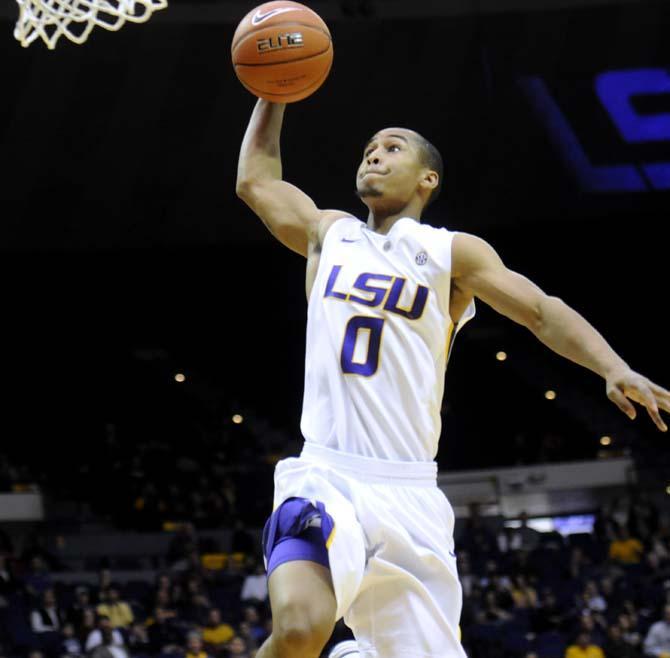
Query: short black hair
431, 158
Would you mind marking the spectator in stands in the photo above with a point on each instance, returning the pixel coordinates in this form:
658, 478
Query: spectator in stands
505, 540
237, 648
524, 537
659, 546
467, 578
165, 584
118, 611
190, 564
245, 633
163, 637
86, 626
643, 517
255, 586
657, 642
592, 599
256, 628
584, 648
48, 617
625, 549
550, 615
196, 604
629, 630
165, 604
578, 564
493, 613
98, 635
104, 580
616, 646
37, 580
492, 575
229, 493
593, 625
621, 510
82, 602
523, 594
182, 544
109, 646
138, 640
604, 525
476, 538
70, 645
194, 648
6, 582
216, 634
607, 589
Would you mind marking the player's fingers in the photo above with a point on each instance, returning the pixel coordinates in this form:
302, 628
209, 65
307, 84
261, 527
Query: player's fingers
662, 396
642, 394
659, 390
620, 400
662, 402
656, 417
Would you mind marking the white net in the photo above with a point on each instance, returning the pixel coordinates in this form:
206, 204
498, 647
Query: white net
74, 19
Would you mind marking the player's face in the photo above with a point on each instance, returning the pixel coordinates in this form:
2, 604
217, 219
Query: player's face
390, 169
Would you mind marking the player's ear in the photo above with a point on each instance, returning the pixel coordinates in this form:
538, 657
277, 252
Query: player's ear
429, 180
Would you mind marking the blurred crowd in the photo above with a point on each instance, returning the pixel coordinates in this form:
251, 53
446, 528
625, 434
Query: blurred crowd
527, 594
587, 595
194, 613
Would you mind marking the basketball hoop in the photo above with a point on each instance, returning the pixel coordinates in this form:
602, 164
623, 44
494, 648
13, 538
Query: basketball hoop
74, 19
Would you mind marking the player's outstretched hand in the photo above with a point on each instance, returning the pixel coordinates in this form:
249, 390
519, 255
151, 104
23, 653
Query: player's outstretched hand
626, 384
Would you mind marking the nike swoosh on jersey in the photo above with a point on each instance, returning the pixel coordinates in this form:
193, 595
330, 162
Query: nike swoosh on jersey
346, 240
258, 18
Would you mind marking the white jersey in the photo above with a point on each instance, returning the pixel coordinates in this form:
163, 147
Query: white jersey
378, 339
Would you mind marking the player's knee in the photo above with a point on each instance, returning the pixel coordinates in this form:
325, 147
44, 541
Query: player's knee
300, 632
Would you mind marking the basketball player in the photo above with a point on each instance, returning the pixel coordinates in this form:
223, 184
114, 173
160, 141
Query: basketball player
359, 527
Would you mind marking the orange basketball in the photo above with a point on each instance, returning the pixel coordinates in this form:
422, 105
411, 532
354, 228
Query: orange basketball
282, 51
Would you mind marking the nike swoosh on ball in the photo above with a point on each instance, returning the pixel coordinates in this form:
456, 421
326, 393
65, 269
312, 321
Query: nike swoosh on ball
259, 18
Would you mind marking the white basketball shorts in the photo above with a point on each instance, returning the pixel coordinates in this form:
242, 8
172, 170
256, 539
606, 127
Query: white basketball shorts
391, 551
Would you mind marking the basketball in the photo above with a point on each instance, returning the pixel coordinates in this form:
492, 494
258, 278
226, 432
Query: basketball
282, 51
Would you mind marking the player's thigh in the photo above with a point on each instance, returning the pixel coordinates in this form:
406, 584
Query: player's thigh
302, 598
397, 615
410, 600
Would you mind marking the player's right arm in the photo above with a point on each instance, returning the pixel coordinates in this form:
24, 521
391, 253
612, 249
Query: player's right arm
289, 214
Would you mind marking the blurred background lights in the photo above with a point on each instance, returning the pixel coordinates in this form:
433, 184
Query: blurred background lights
550, 395
237, 419
605, 440
180, 377
501, 356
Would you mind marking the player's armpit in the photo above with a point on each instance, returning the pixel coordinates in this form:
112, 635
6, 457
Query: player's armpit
478, 270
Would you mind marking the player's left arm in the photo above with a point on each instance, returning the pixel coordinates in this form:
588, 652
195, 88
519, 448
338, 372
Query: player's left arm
477, 270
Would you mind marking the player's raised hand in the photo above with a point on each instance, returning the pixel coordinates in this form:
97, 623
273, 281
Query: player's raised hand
626, 384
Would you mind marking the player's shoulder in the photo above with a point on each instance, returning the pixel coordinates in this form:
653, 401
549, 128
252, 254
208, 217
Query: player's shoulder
470, 252
329, 218
436, 241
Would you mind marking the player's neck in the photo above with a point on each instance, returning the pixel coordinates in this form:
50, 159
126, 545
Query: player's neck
382, 222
